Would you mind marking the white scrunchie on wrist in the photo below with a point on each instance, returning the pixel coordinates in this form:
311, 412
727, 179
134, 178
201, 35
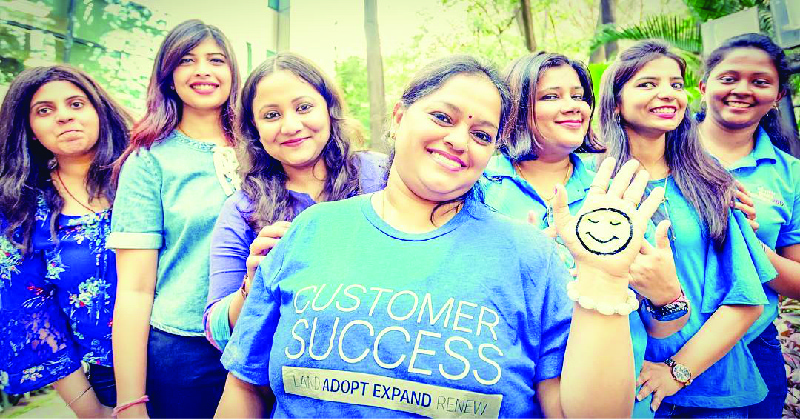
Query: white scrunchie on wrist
630, 305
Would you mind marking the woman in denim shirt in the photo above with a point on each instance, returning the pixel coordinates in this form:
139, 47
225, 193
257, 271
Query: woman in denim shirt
552, 104
295, 140
57, 280
174, 178
744, 79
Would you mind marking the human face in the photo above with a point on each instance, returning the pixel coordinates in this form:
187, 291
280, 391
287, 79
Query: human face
653, 101
445, 139
292, 119
203, 78
63, 119
742, 88
561, 114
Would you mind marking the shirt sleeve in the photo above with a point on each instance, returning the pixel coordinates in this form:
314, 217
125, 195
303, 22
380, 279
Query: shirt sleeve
230, 246
790, 233
37, 346
138, 221
372, 168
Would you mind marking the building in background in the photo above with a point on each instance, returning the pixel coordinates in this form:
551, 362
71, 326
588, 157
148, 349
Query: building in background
116, 41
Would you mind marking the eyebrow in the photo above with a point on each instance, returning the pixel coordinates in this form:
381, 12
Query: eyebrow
270, 105
456, 109
559, 87
43, 102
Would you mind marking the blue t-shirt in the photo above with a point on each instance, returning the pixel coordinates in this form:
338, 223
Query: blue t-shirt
711, 278
512, 195
56, 301
773, 179
169, 197
377, 322
232, 236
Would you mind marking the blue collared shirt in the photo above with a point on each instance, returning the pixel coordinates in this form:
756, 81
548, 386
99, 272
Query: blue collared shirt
773, 179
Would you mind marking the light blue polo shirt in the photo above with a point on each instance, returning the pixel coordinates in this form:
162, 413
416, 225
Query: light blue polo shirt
510, 194
773, 179
712, 277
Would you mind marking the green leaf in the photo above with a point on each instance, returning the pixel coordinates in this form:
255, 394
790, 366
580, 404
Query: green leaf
680, 32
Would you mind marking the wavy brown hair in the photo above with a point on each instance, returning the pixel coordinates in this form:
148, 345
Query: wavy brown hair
264, 180
164, 106
24, 171
705, 184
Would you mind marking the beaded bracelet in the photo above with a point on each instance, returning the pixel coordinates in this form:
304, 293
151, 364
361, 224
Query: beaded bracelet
120, 408
630, 305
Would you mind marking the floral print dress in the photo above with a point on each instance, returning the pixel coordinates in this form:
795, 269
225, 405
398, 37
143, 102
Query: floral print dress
56, 301
788, 324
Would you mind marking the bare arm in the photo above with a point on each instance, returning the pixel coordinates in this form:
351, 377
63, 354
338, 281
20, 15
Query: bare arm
242, 400
787, 262
75, 390
136, 273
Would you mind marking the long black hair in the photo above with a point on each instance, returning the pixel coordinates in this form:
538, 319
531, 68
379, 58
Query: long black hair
519, 140
24, 171
264, 180
705, 184
780, 135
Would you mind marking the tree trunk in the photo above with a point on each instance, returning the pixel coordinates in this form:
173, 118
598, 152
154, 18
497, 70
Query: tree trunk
377, 102
526, 22
605, 52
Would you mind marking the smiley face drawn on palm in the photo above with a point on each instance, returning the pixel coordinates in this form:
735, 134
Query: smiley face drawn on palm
604, 231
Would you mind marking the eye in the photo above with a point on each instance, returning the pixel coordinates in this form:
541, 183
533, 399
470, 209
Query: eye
678, 85
42, 111
615, 223
78, 104
304, 107
579, 97
549, 96
483, 137
441, 117
725, 79
186, 60
647, 85
218, 60
270, 115
762, 82
592, 221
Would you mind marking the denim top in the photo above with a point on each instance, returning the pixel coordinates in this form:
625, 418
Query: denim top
512, 195
773, 179
168, 199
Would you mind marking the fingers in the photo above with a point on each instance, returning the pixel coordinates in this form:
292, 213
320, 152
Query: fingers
650, 205
550, 232
636, 189
754, 224
560, 210
532, 217
262, 245
602, 177
748, 210
276, 229
662, 234
623, 178
740, 187
658, 396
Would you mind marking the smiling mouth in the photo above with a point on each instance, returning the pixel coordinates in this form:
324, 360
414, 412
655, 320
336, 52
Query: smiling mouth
452, 163
664, 110
738, 104
599, 240
203, 87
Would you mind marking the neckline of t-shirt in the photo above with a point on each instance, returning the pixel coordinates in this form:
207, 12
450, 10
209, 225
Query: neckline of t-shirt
385, 228
205, 146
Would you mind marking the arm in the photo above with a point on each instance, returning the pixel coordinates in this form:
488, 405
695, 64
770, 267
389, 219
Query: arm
136, 276
787, 262
241, 399
77, 393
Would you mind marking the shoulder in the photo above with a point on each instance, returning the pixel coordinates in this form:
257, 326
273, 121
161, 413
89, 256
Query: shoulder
372, 168
238, 203
331, 212
527, 240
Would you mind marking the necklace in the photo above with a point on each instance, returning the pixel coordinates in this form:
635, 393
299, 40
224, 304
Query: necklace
64, 185
563, 182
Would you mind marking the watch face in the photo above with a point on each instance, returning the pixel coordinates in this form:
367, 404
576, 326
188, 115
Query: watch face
681, 373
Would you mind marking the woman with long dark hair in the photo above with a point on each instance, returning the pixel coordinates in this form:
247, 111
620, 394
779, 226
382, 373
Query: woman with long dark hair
550, 121
420, 300
720, 264
743, 80
60, 133
173, 180
296, 142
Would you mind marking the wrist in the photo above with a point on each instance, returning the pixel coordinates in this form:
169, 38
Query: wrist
599, 283
669, 296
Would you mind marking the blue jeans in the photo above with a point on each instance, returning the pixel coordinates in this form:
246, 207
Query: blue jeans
184, 376
766, 351
102, 380
667, 410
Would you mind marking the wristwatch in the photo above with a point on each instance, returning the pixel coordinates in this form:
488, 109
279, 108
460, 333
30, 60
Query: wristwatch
680, 372
671, 311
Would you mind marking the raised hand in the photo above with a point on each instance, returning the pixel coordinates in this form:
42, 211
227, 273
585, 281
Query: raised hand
267, 239
608, 231
745, 204
653, 273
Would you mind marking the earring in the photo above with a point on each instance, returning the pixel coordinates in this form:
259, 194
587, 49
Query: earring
776, 106
617, 118
392, 136
52, 164
171, 87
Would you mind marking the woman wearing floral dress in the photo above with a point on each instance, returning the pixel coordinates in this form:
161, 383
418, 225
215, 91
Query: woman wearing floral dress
57, 280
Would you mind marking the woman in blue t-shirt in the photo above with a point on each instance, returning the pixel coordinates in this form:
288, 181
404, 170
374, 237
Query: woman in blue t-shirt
173, 179
698, 371
296, 140
743, 82
421, 300
550, 121
60, 134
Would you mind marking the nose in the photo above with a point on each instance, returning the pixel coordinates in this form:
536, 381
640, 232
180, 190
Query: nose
458, 137
572, 106
65, 114
667, 92
742, 87
202, 68
291, 124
